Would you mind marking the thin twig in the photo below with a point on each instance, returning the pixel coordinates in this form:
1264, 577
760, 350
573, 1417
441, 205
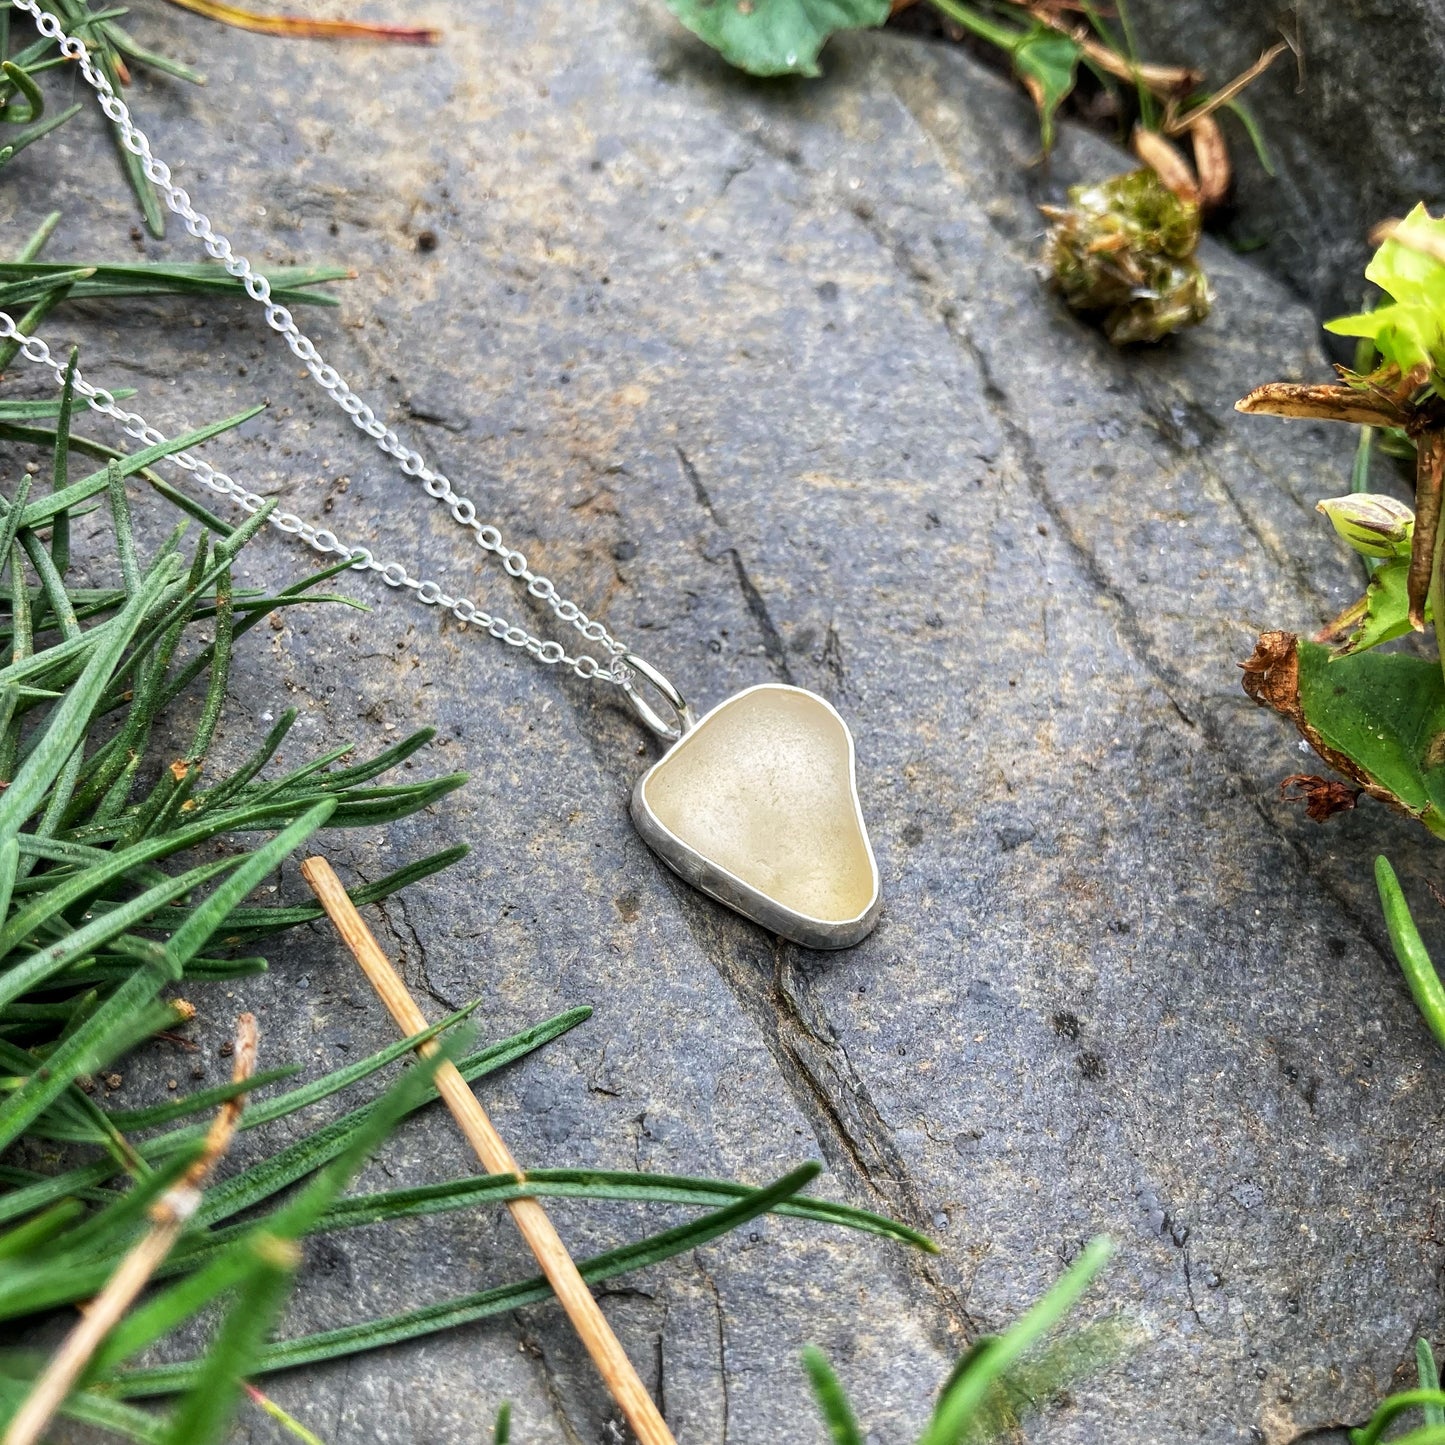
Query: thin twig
531, 1219
169, 1217
1178, 124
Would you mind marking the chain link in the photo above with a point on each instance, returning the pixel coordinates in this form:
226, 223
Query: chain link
33, 349
411, 462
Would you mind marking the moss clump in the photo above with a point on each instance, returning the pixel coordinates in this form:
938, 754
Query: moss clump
1122, 251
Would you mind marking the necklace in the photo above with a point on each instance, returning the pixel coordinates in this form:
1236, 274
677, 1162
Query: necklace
755, 803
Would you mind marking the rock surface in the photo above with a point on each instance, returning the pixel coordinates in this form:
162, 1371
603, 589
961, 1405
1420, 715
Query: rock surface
1353, 127
761, 375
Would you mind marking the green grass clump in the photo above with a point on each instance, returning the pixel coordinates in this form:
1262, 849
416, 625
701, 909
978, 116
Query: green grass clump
112, 897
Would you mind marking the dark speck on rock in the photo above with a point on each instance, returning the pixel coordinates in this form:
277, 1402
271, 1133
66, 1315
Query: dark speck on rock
624, 551
1066, 1024
827, 290
1092, 1067
426, 240
327, 1257
913, 834
1015, 835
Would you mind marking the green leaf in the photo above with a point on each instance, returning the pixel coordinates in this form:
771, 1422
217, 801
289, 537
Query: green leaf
65, 894
35, 1233
297, 1160
22, 82
202, 1416
1047, 63
842, 1423
1046, 1369
1409, 266
68, 725
28, 1194
1397, 1405
1385, 713
1415, 964
775, 37
37, 514
192, 935
155, 1115
1381, 615
35, 132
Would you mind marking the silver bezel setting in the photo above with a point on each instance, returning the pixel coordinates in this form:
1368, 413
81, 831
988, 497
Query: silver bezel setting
726, 887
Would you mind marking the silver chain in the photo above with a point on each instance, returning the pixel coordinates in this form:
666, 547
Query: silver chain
413, 465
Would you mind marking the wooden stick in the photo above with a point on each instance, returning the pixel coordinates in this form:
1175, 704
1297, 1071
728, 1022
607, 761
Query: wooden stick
169, 1217
537, 1229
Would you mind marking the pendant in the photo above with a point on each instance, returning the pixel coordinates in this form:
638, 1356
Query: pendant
756, 804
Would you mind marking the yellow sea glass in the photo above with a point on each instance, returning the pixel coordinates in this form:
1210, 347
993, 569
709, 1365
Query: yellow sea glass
763, 788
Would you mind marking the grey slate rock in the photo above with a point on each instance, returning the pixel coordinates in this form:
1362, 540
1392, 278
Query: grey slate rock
819, 423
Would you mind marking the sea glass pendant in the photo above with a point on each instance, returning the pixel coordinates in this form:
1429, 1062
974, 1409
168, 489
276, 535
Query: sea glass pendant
756, 804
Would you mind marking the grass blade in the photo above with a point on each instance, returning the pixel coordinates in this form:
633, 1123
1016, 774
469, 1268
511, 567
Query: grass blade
1429, 1377
413, 1324
83, 1050
966, 1391
837, 1413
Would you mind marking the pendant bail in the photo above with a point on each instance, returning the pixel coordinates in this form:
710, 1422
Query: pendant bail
685, 718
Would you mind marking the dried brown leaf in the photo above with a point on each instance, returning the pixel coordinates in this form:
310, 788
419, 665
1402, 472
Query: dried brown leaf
1322, 402
1322, 797
1211, 161
1167, 162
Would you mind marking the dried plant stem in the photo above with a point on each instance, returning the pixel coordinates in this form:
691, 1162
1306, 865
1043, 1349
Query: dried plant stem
169, 1217
244, 19
1162, 80
1430, 481
1178, 124
531, 1219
